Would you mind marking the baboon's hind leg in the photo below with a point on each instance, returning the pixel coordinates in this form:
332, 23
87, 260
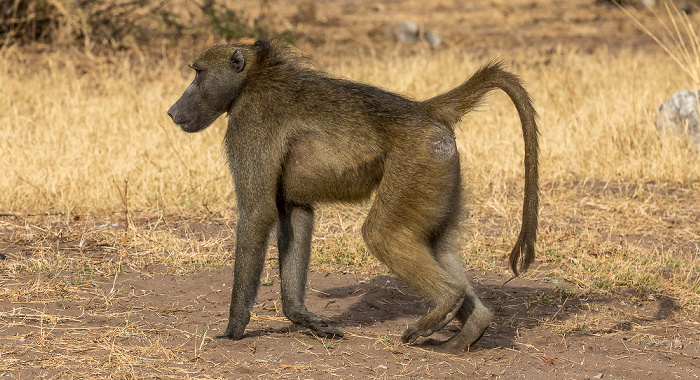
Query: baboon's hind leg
473, 316
412, 261
409, 207
296, 225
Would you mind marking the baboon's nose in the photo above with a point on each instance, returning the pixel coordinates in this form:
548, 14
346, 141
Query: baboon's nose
171, 115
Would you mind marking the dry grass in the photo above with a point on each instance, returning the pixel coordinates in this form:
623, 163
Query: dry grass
80, 133
79, 130
74, 137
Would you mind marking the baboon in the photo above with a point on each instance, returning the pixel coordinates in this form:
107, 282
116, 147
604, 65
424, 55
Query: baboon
297, 137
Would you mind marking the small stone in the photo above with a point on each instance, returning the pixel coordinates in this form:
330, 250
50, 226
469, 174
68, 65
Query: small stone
407, 32
598, 376
679, 114
433, 39
677, 345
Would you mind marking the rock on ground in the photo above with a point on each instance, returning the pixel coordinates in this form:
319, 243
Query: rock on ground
680, 115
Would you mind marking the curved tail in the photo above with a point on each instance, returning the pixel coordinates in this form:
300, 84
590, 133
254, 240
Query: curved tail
451, 106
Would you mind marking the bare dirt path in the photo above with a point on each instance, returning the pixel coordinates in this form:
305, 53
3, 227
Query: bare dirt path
153, 323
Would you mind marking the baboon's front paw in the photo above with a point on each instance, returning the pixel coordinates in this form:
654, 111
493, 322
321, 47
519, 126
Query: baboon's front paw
326, 329
318, 325
227, 336
232, 334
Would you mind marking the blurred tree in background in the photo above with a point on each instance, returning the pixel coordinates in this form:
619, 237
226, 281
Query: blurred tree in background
115, 23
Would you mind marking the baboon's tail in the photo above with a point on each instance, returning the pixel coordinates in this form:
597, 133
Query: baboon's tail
451, 106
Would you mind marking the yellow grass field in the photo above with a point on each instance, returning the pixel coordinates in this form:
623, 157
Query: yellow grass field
72, 138
97, 182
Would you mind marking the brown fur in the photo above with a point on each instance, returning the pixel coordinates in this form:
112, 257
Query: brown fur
297, 137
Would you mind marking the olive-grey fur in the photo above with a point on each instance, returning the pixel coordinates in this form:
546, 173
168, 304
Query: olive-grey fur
297, 137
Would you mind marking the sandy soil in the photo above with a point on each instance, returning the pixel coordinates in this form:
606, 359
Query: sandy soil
162, 325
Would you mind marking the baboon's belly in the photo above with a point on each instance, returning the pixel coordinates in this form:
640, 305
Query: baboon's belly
315, 171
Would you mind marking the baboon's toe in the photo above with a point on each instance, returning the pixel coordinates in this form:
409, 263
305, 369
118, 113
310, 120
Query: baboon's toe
313, 322
418, 330
234, 330
434, 321
412, 333
325, 329
227, 336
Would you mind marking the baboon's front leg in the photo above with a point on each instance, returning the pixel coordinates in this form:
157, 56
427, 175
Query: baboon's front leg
294, 244
251, 244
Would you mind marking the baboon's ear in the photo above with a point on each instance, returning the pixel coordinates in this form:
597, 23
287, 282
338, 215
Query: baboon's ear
237, 61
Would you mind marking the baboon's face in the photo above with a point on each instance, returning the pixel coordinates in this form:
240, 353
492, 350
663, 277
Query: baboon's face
219, 75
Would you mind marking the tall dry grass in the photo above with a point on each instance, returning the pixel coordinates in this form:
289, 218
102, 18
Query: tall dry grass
75, 131
76, 134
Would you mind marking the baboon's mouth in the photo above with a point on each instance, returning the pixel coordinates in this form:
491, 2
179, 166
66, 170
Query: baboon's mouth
188, 127
193, 126
185, 125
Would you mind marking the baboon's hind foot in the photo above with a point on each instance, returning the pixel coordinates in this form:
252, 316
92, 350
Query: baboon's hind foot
472, 330
435, 320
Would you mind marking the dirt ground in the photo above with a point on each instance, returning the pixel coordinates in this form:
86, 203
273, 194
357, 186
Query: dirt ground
156, 324
153, 322
481, 27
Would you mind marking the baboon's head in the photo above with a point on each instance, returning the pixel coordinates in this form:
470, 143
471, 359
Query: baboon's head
218, 81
